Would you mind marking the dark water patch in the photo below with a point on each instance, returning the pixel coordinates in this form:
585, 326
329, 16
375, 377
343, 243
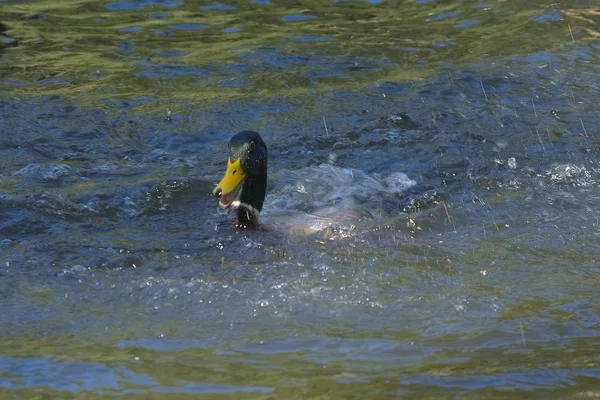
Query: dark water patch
443, 15
56, 375
310, 38
164, 71
34, 17
39, 82
219, 7
131, 29
444, 44
125, 46
140, 4
233, 30
188, 27
159, 15
297, 17
163, 33
190, 387
540, 379
14, 82
467, 24
164, 344
9, 40
237, 83
548, 17
97, 74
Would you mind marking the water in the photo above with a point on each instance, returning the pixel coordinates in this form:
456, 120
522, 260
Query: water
432, 207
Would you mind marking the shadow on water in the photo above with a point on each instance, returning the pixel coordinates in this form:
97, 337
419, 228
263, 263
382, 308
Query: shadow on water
7, 41
447, 152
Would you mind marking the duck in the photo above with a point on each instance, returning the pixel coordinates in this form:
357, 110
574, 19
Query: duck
304, 201
242, 189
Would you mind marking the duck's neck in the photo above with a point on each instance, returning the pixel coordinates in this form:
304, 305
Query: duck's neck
244, 215
248, 207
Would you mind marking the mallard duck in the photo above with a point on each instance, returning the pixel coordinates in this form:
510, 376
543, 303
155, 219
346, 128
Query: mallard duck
304, 201
243, 187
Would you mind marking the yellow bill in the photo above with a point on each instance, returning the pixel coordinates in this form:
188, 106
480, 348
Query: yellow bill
231, 184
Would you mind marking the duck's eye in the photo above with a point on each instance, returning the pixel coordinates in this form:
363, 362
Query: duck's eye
251, 146
234, 171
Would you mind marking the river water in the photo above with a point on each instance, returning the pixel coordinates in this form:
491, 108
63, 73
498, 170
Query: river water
432, 209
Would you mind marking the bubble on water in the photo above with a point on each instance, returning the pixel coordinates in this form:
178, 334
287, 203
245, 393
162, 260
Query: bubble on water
106, 167
332, 158
398, 182
569, 173
97, 74
512, 163
460, 304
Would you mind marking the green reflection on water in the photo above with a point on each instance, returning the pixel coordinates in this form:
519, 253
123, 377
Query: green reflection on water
80, 48
299, 376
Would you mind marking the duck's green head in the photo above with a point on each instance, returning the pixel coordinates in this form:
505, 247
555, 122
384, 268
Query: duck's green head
245, 182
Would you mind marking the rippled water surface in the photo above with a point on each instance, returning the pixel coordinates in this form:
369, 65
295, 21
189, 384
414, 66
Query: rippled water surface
432, 212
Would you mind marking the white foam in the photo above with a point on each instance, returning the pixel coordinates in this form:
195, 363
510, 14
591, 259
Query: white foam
569, 173
315, 198
41, 171
398, 182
